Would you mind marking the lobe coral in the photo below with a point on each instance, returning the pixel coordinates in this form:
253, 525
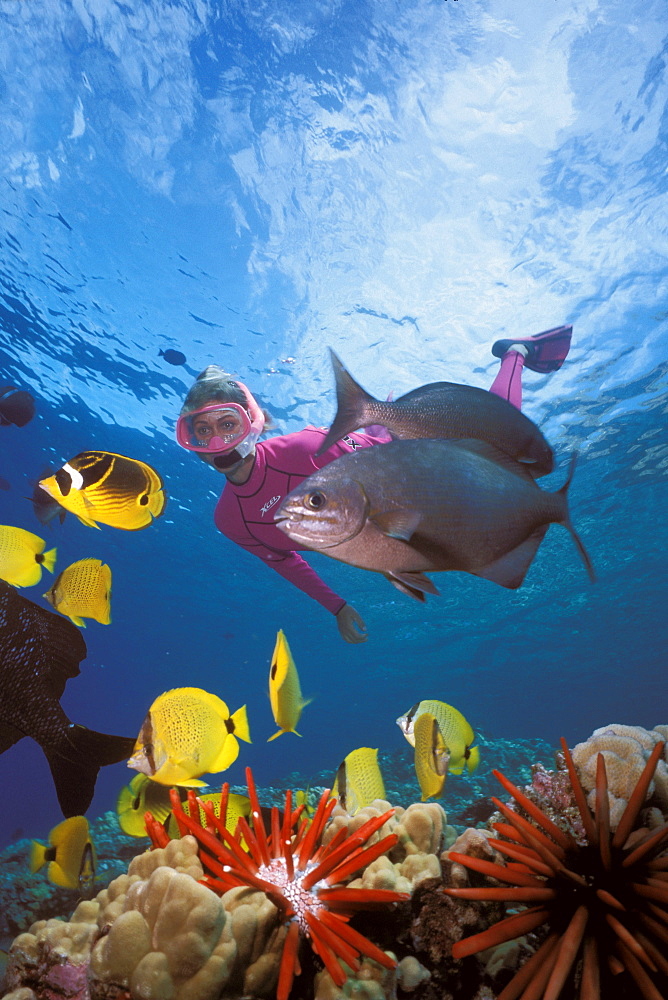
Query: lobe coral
604, 900
295, 870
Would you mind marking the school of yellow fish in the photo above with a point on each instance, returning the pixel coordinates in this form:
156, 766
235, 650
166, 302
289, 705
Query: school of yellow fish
188, 732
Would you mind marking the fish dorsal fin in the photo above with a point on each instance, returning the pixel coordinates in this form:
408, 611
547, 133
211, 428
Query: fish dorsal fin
492, 454
399, 524
509, 571
95, 466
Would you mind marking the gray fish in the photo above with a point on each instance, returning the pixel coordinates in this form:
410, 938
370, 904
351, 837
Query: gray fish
39, 652
410, 507
440, 410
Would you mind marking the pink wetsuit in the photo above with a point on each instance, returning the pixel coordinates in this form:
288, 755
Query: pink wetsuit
245, 514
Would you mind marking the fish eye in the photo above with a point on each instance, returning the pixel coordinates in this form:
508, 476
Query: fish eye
316, 500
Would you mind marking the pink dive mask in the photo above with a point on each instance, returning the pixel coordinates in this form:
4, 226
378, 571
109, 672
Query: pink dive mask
220, 428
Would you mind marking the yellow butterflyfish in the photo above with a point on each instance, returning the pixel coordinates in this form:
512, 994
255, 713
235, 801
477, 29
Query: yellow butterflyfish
83, 590
284, 689
22, 556
188, 732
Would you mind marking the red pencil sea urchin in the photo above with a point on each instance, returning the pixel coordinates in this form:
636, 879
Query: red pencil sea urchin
297, 873
605, 902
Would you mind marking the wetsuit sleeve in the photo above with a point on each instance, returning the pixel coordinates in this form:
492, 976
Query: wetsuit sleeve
292, 567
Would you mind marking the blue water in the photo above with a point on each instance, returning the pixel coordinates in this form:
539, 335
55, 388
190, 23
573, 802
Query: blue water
405, 181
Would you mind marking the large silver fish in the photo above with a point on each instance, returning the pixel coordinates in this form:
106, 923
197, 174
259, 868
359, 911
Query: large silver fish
410, 507
440, 410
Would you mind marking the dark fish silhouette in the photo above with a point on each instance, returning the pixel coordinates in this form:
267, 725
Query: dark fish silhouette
39, 652
440, 410
410, 507
16, 406
173, 357
44, 506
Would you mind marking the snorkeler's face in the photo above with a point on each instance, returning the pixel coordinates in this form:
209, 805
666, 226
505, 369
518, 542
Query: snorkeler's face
224, 423
214, 429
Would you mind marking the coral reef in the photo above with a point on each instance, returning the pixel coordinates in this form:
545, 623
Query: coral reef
604, 903
158, 933
626, 750
297, 871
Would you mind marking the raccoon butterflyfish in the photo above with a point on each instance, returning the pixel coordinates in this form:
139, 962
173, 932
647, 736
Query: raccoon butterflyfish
284, 690
39, 653
70, 855
358, 780
99, 486
22, 556
456, 732
431, 756
83, 590
143, 794
188, 732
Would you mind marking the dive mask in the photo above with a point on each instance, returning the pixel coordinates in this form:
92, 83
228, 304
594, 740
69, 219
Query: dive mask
222, 428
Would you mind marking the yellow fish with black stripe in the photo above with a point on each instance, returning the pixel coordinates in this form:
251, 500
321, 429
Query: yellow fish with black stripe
431, 756
83, 590
70, 855
188, 732
100, 486
456, 731
358, 780
284, 689
22, 556
145, 795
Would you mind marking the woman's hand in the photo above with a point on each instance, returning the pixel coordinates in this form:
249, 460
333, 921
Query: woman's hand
351, 625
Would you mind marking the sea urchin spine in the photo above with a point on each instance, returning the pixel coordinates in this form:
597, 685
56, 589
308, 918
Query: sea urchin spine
605, 902
299, 875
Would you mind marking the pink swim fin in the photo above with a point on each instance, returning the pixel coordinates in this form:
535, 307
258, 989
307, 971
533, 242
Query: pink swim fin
547, 350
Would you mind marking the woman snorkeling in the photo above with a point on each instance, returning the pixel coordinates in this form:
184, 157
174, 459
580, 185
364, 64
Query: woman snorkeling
222, 422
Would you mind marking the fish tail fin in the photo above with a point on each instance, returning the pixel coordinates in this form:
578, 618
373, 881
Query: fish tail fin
279, 733
37, 856
567, 523
49, 559
352, 402
241, 728
75, 763
473, 759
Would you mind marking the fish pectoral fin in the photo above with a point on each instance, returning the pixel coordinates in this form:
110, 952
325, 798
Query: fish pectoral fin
399, 524
509, 571
412, 584
87, 521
